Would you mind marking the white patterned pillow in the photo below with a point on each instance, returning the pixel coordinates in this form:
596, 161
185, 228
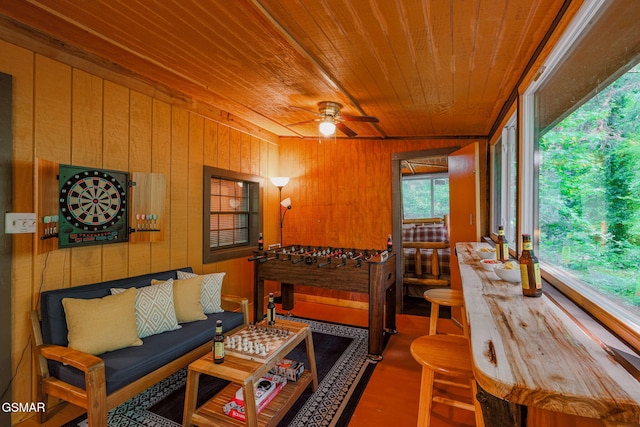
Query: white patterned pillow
211, 293
155, 312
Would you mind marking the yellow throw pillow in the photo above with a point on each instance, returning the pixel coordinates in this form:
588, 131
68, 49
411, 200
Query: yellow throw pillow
186, 299
211, 290
104, 324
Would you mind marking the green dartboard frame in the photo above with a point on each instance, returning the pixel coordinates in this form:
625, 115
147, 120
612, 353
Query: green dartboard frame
93, 206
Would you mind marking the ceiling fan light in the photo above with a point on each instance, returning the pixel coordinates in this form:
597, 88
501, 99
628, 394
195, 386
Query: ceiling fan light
327, 127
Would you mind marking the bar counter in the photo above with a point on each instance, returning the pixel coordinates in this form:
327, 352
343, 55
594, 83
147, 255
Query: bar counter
529, 352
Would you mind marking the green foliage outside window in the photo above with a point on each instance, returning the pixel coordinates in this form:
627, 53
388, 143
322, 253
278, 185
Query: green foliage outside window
589, 210
425, 196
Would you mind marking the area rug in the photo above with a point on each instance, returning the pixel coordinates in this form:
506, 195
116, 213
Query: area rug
343, 372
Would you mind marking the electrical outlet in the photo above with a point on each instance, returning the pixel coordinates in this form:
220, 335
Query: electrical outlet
15, 223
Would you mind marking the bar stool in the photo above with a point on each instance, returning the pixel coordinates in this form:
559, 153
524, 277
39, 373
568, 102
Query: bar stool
437, 297
447, 355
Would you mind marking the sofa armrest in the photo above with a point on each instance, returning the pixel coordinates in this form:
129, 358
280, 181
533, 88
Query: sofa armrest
93, 398
84, 361
242, 302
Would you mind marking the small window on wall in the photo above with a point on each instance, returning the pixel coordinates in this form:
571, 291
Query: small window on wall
232, 214
425, 196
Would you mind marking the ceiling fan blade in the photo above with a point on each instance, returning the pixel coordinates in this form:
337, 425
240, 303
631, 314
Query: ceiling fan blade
304, 122
346, 130
369, 119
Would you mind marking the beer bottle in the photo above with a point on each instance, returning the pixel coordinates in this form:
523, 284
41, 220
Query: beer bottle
271, 310
389, 244
529, 269
218, 344
502, 247
260, 242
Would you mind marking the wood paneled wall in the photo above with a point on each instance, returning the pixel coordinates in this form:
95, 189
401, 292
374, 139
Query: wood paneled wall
67, 115
341, 190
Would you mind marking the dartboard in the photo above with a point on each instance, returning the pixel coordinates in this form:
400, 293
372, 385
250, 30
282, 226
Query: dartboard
92, 206
92, 200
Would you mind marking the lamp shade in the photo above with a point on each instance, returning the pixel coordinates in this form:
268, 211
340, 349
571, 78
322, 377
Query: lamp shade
327, 127
286, 203
280, 181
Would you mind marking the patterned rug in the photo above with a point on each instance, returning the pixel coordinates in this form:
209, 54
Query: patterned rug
343, 372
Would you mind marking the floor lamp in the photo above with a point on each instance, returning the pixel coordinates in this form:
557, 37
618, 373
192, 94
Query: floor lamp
281, 181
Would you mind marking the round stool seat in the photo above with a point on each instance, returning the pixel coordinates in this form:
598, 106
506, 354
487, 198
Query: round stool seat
437, 297
446, 297
443, 354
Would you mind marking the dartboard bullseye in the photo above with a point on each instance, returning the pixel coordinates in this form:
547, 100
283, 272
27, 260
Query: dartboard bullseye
93, 204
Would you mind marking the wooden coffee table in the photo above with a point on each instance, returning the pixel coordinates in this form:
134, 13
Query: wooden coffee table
245, 372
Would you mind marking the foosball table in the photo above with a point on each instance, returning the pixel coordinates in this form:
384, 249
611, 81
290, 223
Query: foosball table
354, 270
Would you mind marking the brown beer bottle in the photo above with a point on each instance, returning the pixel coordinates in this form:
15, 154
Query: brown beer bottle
218, 344
529, 269
502, 247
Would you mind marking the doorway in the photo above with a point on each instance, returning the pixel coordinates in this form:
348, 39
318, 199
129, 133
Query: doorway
414, 163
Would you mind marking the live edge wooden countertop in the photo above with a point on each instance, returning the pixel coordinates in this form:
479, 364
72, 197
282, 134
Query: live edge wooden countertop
528, 351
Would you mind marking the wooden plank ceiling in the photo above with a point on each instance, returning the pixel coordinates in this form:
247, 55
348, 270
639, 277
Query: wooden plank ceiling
434, 68
419, 166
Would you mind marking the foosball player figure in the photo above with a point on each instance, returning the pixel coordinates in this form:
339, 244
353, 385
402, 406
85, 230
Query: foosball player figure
271, 310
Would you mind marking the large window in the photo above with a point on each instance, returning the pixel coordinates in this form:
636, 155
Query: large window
232, 219
589, 186
586, 137
425, 196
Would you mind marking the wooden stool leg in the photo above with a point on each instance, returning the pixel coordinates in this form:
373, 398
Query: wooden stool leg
426, 398
433, 320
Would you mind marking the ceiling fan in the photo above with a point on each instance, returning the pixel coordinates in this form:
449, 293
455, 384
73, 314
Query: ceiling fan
330, 119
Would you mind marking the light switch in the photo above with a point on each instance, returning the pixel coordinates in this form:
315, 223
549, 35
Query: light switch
19, 223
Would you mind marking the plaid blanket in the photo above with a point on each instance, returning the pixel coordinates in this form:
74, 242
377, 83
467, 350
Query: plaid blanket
426, 233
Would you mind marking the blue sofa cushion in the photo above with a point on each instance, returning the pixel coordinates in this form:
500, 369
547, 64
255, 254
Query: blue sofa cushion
54, 322
128, 364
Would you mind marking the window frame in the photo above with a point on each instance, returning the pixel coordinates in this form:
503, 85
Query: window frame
431, 176
507, 141
256, 184
622, 322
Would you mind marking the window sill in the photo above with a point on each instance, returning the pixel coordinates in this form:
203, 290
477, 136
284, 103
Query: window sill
628, 357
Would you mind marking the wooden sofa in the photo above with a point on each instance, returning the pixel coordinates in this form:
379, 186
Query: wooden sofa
95, 392
426, 254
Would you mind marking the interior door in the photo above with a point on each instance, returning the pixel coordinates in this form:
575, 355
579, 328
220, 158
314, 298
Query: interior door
464, 202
